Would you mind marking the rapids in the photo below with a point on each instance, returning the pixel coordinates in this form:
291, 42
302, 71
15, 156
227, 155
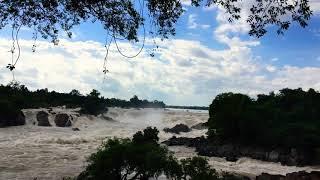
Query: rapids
31, 151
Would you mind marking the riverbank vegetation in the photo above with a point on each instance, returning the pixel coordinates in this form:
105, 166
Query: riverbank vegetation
288, 119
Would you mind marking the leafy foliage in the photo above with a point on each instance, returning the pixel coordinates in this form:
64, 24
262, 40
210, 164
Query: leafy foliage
139, 158
197, 168
143, 158
122, 18
264, 13
288, 119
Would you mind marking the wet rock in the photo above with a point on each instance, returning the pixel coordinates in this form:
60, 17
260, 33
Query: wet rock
273, 156
199, 126
265, 176
42, 118
75, 129
301, 175
190, 142
107, 118
50, 110
232, 152
177, 129
12, 119
62, 120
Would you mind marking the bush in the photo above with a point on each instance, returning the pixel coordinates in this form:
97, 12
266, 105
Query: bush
140, 158
143, 158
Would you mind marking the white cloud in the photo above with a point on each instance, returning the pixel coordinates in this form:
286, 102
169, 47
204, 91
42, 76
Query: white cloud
186, 2
275, 59
315, 6
192, 24
184, 72
192, 21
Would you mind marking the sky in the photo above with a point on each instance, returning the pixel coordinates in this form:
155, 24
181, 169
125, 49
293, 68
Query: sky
208, 56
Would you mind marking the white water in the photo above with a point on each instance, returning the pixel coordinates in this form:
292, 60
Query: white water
52, 153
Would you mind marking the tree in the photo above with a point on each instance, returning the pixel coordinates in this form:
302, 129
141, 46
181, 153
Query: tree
263, 13
122, 18
135, 101
197, 168
75, 92
129, 159
94, 93
289, 119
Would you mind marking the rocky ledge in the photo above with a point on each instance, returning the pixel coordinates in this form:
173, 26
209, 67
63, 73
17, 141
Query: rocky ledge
290, 156
302, 175
12, 119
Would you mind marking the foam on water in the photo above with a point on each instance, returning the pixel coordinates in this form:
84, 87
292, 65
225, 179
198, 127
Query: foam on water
52, 153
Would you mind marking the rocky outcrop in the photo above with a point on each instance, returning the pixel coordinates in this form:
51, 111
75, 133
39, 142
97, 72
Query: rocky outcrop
42, 118
177, 129
107, 118
184, 141
199, 126
12, 119
302, 175
232, 152
63, 120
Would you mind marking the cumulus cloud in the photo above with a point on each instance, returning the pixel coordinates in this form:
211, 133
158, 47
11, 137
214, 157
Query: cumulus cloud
183, 72
192, 24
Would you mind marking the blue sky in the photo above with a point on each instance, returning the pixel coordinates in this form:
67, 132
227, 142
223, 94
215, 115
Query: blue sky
207, 56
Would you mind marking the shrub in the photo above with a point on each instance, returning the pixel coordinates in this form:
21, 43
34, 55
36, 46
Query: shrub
143, 158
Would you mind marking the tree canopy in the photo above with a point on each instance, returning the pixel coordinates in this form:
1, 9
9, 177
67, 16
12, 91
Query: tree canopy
287, 119
123, 18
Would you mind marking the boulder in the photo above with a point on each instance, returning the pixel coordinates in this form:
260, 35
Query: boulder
16, 118
63, 120
273, 156
199, 126
42, 118
177, 129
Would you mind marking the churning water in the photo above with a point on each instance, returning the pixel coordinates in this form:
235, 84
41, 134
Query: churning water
31, 151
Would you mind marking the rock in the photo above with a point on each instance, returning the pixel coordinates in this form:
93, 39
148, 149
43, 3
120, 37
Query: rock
20, 119
62, 120
49, 109
265, 176
42, 118
233, 151
273, 156
177, 129
12, 119
301, 175
199, 126
190, 142
107, 118
75, 129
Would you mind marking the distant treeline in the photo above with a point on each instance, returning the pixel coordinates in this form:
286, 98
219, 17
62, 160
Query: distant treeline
14, 97
189, 107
